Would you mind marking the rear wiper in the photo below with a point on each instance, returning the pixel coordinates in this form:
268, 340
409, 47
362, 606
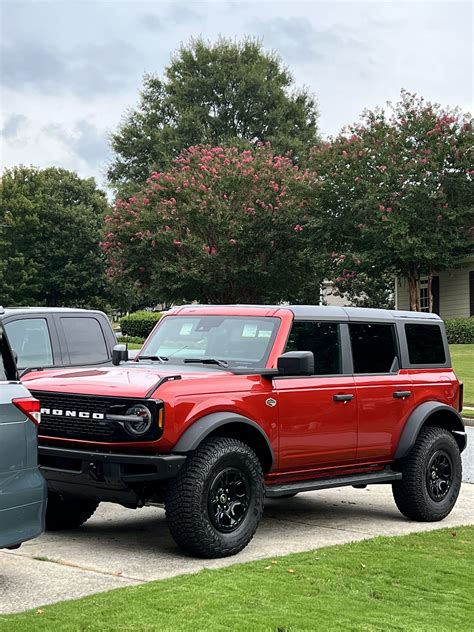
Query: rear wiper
154, 358
221, 363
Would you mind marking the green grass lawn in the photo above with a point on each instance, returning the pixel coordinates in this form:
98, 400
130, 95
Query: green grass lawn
416, 582
463, 363
133, 345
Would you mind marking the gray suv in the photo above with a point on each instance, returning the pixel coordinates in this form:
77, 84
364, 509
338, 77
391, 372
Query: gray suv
22, 487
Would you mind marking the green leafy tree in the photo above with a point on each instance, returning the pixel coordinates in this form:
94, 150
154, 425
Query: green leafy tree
50, 222
222, 225
227, 93
396, 192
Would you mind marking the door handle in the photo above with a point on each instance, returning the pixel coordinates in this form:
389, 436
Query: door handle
402, 394
344, 397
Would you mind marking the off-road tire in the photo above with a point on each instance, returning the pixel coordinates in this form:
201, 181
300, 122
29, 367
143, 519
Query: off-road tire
188, 498
411, 494
68, 513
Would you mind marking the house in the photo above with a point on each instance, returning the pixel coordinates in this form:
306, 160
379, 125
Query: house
453, 291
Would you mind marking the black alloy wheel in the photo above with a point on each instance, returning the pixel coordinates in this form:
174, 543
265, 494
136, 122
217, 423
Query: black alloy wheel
229, 499
439, 475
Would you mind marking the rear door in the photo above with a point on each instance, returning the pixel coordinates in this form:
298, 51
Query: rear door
317, 413
384, 392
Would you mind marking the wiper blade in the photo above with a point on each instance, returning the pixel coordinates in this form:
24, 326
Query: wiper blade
221, 363
154, 358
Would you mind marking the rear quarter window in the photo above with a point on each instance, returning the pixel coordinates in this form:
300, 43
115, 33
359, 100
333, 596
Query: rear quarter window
425, 344
85, 340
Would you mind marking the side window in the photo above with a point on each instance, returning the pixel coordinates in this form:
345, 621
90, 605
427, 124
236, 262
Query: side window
30, 340
320, 338
85, 340
374, 347
7, 363
425, 344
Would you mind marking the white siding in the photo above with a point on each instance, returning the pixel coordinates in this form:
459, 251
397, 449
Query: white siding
328, 298
453, 292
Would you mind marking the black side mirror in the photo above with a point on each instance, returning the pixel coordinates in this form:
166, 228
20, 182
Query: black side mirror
119, 354
296, 363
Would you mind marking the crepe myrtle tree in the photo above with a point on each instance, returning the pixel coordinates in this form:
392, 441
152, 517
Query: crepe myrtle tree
396, 192
221, 226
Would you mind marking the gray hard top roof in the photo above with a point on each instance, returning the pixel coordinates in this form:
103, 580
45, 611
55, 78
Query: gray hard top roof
9, 311
330, 312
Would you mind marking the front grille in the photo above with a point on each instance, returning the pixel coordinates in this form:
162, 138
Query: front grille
58, 424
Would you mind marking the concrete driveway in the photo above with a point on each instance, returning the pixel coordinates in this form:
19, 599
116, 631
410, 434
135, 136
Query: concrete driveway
120, 547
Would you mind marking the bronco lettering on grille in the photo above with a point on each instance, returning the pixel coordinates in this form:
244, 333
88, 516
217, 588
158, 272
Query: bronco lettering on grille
81, 414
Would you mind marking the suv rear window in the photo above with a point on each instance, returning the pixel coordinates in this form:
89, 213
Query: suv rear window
425, 344
374, 347
85, 340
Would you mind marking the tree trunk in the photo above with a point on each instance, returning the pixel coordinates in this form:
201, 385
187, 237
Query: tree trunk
430, 290
412, 278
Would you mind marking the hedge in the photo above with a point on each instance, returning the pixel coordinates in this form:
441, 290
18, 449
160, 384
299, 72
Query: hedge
139, 324
460, 331
137, 340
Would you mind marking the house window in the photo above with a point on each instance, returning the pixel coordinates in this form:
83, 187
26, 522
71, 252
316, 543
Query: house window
424, 296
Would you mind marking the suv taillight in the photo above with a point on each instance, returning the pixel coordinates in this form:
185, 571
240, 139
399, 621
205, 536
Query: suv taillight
30, 407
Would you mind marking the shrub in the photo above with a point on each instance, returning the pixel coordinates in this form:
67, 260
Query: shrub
139, 324
460, 331
137, 340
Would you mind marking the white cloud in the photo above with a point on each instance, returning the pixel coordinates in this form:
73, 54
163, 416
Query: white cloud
70, 69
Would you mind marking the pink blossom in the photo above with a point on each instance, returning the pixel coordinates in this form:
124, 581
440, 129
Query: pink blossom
357, 179
389, 209
203, 187
381, 208
146, 201
141, 269
232, 242
382, 168
176, 242
298, 228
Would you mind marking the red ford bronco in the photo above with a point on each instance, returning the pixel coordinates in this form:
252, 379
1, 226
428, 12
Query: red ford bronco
228, 404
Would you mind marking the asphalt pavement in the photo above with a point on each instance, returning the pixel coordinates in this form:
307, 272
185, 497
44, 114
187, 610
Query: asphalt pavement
121, 547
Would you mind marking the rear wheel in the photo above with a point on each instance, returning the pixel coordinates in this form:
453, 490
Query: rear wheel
68, 513
215, 503
432, 474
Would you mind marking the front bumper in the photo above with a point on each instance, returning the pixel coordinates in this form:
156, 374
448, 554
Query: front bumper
106, 476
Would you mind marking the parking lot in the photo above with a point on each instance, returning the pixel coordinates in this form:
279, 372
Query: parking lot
120, 547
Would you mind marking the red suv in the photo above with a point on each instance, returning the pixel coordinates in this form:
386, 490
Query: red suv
228, 404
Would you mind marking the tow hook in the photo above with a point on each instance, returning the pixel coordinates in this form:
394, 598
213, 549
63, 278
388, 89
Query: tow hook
96, 471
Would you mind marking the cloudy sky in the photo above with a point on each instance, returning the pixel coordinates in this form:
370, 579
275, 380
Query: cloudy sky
69, 69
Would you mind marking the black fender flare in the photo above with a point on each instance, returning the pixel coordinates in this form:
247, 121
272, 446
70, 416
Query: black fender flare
203, 427
419, 417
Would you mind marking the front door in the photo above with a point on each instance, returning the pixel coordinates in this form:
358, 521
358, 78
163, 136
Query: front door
317, 413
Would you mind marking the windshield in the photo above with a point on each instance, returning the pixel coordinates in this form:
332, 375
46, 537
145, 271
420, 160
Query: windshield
236, 340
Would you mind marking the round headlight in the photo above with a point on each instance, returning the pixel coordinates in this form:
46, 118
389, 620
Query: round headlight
140, 426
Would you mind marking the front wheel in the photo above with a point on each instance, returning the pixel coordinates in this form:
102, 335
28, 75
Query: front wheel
214, 505
432, 474
68, 512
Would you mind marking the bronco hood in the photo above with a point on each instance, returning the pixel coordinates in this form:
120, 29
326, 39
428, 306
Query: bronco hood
118, 381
